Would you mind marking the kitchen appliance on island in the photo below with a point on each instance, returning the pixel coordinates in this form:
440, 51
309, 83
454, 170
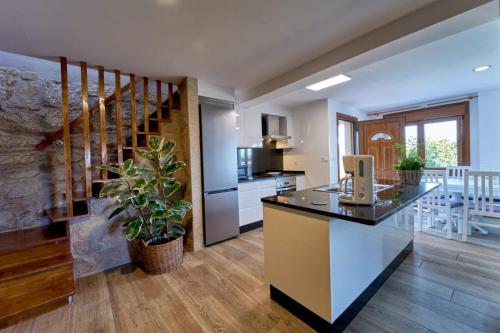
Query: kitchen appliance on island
359, 171
220, 177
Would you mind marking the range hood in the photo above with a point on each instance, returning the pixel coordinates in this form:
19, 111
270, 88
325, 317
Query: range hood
274, 128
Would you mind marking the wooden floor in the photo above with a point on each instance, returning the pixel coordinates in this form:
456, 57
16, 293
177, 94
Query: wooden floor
444, 286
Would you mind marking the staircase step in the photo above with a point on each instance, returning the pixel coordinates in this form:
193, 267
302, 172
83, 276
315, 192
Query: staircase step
149, 133
17, 240
34, 293
59, 214
30, 254
25, 267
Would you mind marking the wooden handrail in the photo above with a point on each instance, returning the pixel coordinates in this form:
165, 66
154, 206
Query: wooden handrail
58, 135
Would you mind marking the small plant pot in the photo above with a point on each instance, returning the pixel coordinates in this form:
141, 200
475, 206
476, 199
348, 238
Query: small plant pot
162, 258
410, 177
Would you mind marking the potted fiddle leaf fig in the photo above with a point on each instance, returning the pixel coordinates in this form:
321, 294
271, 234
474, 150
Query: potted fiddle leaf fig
147, 186
410, 167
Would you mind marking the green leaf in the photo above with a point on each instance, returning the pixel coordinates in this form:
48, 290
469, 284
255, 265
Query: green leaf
140, 200
173, 167
106, 190
182, 204
110, 168
177, 229
133, 228
172, 189
177, 217
117, 211
128, 163
154, 142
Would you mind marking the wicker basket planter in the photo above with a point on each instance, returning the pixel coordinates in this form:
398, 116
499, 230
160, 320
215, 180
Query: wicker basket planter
163, 258
410, 177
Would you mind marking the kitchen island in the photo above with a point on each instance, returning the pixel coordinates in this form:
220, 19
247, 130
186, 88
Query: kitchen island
325, 260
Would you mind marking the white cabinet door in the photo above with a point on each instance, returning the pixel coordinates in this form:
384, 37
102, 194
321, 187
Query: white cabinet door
241, 139
300, 183
249, 195
249, 129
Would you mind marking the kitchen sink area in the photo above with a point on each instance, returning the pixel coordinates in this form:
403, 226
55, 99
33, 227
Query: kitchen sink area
336, 189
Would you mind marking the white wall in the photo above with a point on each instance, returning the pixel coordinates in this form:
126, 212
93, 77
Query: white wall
311, 152
489, 129
211, 90
315, 149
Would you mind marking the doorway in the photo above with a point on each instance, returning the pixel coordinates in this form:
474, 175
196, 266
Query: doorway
347, 139
378, 138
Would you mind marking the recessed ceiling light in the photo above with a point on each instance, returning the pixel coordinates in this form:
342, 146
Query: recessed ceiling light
482, 68
329, 82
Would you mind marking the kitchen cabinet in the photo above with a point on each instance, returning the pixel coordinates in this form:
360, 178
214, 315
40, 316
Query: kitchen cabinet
300, 182
249, 126
249, 195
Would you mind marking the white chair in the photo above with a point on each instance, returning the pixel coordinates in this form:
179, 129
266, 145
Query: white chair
483, 209
438, 202
457, 172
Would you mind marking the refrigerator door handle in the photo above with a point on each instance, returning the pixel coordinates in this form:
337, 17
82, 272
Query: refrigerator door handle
221, 191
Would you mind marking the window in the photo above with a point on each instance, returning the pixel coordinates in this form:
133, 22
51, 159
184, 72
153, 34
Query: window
346, 138
411, 143
440, 134
381, 136
441, 148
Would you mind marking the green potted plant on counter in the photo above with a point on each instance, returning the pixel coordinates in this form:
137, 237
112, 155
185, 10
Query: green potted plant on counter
410, 168
148, 186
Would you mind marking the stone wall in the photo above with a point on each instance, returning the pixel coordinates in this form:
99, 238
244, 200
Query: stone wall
33, 181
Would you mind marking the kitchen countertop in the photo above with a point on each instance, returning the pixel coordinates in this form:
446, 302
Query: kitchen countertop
389, 202
263, 176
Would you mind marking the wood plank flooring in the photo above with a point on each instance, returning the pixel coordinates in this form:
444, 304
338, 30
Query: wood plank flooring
444, 286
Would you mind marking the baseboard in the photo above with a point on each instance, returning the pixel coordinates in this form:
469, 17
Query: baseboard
250, 226
322, 325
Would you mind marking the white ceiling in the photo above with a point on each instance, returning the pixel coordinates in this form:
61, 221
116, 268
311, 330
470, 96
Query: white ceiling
232, 43
440, 69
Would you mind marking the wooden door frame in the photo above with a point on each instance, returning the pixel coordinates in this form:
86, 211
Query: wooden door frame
361, 133
354, 120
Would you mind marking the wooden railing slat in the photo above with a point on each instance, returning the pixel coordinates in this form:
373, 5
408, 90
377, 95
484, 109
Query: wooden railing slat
102, 122
86, 130
133, 110
59, 134
158, 102
119, 126
66, 137
170, 97
146, 104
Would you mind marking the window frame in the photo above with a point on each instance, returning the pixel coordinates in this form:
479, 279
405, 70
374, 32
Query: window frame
455, 111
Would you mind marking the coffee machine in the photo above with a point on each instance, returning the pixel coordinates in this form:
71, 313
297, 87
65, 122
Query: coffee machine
359, 171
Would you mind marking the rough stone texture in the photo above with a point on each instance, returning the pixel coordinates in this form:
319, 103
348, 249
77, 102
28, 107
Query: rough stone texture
33, 181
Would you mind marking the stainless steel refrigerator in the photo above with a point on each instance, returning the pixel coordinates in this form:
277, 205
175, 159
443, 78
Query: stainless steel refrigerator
219, 165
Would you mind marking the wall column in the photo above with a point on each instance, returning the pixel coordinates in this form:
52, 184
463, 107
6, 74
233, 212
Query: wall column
190, 141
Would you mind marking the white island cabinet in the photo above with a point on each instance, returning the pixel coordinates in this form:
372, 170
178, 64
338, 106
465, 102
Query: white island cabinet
324, 260
249, 195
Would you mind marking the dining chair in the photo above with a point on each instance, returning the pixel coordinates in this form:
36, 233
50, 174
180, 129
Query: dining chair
438, 202
457, 172
482, 210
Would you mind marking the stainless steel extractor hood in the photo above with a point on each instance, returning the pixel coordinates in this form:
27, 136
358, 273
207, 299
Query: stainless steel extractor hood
274, 127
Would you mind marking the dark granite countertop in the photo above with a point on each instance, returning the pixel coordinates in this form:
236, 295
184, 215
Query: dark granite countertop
262, 176
389, 202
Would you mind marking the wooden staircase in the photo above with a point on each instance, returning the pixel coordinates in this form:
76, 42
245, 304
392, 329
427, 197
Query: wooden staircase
36, 265
36, 272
